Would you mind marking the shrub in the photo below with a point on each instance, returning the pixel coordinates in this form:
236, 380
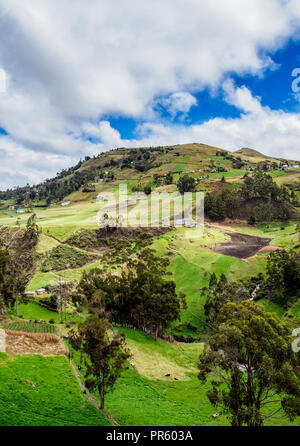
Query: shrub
64, 257
252, 220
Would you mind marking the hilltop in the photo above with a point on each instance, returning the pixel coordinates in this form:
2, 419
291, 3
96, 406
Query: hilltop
251, 152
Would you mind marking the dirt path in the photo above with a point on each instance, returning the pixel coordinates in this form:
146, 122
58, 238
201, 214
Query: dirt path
89, 396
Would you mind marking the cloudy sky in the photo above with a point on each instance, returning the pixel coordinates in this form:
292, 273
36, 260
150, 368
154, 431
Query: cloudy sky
78, 78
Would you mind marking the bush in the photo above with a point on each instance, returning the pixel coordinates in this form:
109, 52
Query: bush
64, 257
49, 302
147, 190
252, 220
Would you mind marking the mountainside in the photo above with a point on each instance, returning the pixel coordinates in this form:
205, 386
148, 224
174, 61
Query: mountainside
206, 163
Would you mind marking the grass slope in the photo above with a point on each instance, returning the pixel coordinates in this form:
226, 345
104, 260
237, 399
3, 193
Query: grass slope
138, 400
38, 391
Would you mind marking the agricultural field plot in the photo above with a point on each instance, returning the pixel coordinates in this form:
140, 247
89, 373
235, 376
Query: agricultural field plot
29, 343
179, 167
74, 216
287, 177
43, 391
231, 175
30, 327
42, 279
181, 163
33, 311
46, 244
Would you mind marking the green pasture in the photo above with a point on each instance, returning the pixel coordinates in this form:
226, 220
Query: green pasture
43, 391
33, 311
138, 400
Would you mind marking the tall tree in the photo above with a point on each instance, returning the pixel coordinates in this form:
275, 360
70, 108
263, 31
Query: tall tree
17, 261
251, 365
104, 354
186, 184
282, 282
219, 292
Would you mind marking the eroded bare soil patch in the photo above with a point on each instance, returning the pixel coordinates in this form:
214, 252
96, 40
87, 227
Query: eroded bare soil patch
241, 246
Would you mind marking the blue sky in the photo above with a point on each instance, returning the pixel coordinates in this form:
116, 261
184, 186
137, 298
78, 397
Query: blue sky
80, 81
273, 87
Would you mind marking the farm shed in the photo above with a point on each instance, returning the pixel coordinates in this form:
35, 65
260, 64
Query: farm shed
30, 293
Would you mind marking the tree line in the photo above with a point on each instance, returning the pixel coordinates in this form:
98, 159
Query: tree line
140, 296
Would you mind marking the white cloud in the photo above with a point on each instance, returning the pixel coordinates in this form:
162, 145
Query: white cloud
179, 102
241, 98
104, 132
273, 132
72, 64
2, 81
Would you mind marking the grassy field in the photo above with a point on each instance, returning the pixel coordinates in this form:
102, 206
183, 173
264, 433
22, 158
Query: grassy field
272, 307
57, 221
144, 398
42, 279
38, 391
139, 400
33, 311
46, 244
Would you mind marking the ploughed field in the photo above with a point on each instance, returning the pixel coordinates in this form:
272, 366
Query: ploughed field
241, 246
